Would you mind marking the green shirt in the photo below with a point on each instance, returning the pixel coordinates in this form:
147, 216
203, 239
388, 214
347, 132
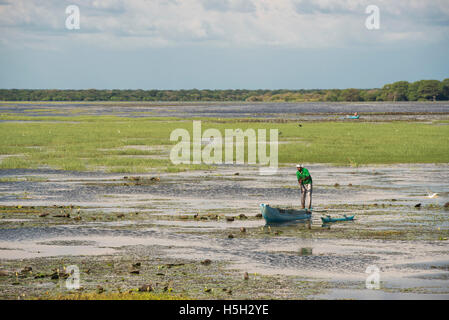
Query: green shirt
304, 175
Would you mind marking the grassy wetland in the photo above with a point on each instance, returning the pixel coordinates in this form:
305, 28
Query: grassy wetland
91, 185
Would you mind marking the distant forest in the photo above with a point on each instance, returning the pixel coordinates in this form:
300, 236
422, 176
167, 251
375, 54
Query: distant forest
423, 90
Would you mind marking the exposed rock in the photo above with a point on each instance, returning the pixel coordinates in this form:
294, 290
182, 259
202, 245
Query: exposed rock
245, 276
242, 229
206, 262
54, 276
146, 288
62, 216
4, 273
230, 219
230, 236
169, 265
26, 270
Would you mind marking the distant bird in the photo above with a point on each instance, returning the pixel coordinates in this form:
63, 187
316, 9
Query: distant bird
432, 196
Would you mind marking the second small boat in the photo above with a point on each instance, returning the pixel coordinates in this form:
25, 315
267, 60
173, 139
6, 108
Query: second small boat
330, 219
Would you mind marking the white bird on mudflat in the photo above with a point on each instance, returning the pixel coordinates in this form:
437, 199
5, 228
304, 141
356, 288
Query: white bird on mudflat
431, 196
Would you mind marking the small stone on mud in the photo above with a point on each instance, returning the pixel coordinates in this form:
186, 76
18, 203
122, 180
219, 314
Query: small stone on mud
336, 185
100, 289
236, 174
259, 215
207, 289
146, 288
120, 215
62, 216
155, 179
242, 216
230, 219
54, 276
230, 236
245, 276
26, 269
137, 265
4, 273
43, 215
418, 205
446, 205
242, 229
134, 271
350, 185
206, 262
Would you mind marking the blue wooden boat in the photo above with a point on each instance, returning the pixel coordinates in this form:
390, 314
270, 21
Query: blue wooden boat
271, 214
329, 219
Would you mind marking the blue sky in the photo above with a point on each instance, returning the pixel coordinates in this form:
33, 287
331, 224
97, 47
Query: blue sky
221, 44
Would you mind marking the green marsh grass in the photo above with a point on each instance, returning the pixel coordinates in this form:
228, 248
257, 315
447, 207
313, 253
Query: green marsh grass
105, 142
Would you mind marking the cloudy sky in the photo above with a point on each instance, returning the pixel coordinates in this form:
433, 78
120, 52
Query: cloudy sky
221, 44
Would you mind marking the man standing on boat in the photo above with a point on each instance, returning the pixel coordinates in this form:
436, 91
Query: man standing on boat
305, 182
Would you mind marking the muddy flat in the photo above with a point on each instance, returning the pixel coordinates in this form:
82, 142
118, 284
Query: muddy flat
372, 111
104, 223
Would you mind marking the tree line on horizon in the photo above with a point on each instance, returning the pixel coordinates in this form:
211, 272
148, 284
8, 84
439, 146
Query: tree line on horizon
423, 90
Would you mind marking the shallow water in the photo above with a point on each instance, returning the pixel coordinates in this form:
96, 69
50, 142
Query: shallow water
381, 197
306, 110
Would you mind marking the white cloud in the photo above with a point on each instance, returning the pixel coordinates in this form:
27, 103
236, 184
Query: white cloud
291, 23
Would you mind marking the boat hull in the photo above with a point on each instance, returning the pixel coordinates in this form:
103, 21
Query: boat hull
276, 215
329, 219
